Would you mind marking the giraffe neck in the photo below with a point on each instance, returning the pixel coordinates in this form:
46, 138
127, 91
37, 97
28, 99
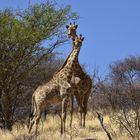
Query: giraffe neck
73, 58
73, 36
66, 61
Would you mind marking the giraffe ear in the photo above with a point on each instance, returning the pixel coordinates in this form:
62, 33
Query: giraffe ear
67, 26
76, 26
83, 38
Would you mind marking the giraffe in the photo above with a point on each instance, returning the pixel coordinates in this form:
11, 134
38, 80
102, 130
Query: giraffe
72, 30
81, 90
56, 90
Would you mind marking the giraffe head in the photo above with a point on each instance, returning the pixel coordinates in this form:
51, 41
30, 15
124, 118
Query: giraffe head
77, 42
72, 30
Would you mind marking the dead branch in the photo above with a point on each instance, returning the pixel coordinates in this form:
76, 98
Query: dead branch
100, 118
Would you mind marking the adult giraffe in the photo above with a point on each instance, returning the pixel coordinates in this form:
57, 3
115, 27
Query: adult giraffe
56, 90
83, 88
82, 83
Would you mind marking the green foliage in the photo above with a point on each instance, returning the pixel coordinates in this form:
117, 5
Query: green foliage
22, 34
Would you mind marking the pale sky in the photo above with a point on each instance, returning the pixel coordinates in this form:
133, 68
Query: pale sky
111, 29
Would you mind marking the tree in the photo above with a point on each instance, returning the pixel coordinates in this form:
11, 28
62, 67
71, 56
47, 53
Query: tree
21, 49
124, 75
118, 94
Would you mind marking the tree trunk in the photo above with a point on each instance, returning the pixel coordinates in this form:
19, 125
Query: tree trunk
7, 110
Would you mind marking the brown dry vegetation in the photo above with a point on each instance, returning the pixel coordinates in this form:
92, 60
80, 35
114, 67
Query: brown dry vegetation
50, 130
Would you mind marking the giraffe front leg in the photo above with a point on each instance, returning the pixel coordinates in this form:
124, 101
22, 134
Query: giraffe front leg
63, 115
71, 110
84, 112
64, 95
85, 103
79, 103
80, 109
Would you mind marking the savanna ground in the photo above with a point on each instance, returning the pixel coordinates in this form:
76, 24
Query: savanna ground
50, 130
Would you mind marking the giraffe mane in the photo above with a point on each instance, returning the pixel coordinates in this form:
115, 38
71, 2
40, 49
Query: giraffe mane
63, 64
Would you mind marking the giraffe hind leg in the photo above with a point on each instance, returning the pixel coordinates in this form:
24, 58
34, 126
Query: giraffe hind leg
32, 121
71, 111
37, 122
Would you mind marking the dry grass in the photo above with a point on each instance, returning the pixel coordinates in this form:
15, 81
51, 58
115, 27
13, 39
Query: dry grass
50, 130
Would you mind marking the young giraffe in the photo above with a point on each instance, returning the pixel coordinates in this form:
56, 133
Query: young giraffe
56, 90
81, 90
